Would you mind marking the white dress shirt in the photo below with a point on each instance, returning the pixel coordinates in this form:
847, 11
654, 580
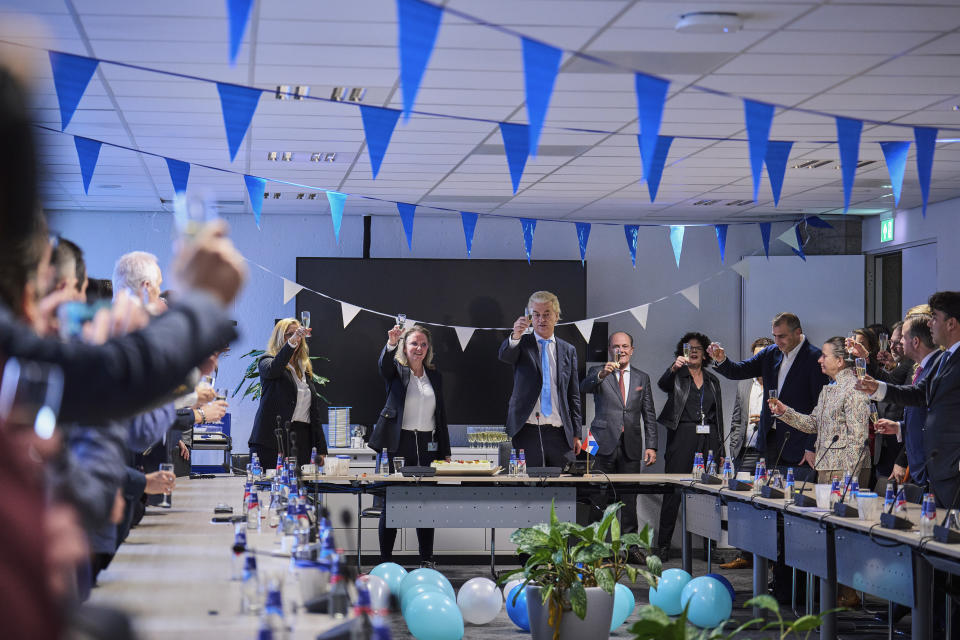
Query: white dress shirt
881, 391
554, 418
754, 409
301, 413
788, 362
420, 403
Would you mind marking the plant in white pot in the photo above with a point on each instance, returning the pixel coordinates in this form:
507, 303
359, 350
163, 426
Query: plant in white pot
574, 568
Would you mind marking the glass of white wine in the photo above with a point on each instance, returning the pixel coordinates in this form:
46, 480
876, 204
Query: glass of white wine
528, 312
884, 342
402, 320
861, 365
305, 319
686, 350
165, 502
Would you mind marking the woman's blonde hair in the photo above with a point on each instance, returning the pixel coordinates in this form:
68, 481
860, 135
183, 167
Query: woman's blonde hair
301, 357
401, 354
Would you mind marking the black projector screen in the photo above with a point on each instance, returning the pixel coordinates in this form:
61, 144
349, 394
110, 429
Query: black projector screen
472, 293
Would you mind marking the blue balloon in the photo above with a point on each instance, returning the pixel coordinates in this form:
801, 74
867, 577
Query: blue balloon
667, 594
710, 602
391, 573
410, 594
623, 604
518, 612
425, 576
723, 580
434, 616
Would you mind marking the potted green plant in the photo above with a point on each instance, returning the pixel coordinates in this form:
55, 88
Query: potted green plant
254, 390
575, 568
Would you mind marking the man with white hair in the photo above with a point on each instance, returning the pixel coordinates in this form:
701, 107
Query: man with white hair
139, 273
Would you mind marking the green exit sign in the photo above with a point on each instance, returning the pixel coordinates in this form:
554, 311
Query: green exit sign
886, 230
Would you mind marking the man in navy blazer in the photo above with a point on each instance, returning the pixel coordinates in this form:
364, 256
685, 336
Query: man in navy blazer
543, 416
790, 366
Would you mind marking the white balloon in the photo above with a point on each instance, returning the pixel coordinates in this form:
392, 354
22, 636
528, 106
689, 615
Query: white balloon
507, 588
479, 600
379, 592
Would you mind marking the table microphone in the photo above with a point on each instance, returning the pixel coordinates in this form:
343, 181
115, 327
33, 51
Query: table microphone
801, 500
766, 490
841, 508
278, 432
543, 471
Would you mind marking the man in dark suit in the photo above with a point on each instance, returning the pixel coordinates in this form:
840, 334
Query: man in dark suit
625, 420
543, 417
939, 392
790, 367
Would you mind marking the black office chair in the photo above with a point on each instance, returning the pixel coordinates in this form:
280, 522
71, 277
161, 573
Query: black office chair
370, 512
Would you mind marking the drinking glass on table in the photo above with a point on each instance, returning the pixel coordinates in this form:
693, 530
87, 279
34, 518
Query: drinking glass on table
305, 319
166, 466
861, 365
398, 463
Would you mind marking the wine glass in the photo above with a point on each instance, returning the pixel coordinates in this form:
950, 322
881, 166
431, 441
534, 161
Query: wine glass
166, 466
861, 365
874, 413
616, 356
528, 312
686, 350
30, 394
305, 319
771, 397
402, 320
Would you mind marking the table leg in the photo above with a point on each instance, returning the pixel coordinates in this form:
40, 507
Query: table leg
687, 537
760, 573
493, 553
921, 617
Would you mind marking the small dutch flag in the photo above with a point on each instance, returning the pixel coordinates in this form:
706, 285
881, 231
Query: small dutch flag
592, 446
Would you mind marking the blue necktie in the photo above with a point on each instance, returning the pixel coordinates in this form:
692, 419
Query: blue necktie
946, 356
546, 405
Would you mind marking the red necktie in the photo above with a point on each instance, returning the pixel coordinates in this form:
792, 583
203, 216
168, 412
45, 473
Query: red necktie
623, 392
916, 374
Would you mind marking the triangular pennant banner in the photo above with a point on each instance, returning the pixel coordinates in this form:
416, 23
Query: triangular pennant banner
721, 239
541, 62
378, 126
336, 200
469, 221
778, 152
585, 327
179, 174
631, 231
692, 293
676, 241
583, 235
848, 139
349, 312
926, 138
528, 225
238, 104
658, 163
743, 268
238, 15
817, 221
640, 313
799, 241
790, 237
290, 289
71, 75
765, 235
516, 145
417, 23
759, 118
87, 151
651, 94
406, 212
895, 155
463, 335
255, 188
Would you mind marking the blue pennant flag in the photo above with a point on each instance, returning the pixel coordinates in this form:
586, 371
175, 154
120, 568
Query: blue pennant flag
926, 138
651, 95
895, 155
722, 239
255, 188
529, 225
238, 15
238, 104
469, 221
406, 211
676, 241
541, 62
378, 126
336, 200
516, 144
631, 231
179, 174
778, 152
759, 118
799, 249
765, 234
817, 221
658, 163
417, 23
87, 151
583, 234
848, 138
71, 75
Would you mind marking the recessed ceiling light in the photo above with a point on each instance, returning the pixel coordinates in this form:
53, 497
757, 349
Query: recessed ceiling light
338, 93
356, 94
300, 196
283, 92
272, 156
709, 22
300, 92
276, 196
330, 157
266, 195
316, 156
312, 196
287, 156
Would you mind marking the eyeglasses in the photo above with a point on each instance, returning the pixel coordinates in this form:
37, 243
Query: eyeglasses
696, 349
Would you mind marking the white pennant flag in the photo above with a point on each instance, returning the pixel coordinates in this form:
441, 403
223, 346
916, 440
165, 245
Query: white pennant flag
640, 313
463, 335
743, 268
349, 312
692, 293
585, 327
790, 237
290, 289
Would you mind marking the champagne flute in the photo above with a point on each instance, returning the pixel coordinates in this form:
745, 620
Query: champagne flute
686, 350
874, 413
884, 342
166, 466
861, 365
528, 312
305, 319
771, 398
402, 320
616, 357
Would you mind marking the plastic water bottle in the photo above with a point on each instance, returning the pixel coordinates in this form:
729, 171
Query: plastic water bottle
246, 496
313, 455
250, 589
338, 598
275, 510
834, 491
695, 471
513, 462
928, 515
253, 512
237, 550
854, 487
273, 618
279, 464
790, 484
758, 475
522, 463
901, 501
889, 498
727, 470
710, 460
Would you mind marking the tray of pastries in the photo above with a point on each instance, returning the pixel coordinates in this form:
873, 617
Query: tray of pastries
466, 467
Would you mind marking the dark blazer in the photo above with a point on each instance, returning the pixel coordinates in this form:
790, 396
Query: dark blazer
386, 433
740, 419
677, 384
800, 391
940, 394
612, 413
528, 380
279, 398
912, 427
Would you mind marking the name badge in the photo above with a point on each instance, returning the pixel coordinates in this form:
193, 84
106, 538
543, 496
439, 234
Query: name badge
703, 429
431, 446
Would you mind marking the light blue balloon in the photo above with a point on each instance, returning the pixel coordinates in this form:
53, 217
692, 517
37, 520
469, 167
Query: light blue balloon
434, 616
710, 602
425, 576
518, 612
410, 594
667, 594
391, 573
623, 604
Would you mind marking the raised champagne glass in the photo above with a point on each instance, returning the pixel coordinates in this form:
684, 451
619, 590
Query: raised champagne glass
305, 319
861, 365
